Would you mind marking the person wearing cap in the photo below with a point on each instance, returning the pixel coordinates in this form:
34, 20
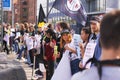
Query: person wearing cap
108, 68
95, 29
63, 70
94, 41
60, 26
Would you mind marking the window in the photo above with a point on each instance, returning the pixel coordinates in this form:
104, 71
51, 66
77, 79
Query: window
24, 16
102, 5
24, 2
24, 9
92, 5
96, 5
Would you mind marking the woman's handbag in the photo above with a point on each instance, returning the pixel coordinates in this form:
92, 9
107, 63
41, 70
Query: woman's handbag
74, 65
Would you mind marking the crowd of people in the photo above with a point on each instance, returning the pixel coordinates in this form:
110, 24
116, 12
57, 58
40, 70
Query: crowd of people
54, 46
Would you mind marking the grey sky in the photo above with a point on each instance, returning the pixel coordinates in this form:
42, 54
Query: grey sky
44, 4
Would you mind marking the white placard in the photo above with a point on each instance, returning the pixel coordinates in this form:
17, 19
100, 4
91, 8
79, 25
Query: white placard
89, 52
12, 30
38, 37
42, 67
77, 39
18, 34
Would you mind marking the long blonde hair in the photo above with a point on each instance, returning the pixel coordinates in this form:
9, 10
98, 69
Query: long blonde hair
62, 42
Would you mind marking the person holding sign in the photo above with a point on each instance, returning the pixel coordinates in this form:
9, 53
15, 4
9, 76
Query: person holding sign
59, 27
94, 38
85, 34
108, 66
93, 49
63, 70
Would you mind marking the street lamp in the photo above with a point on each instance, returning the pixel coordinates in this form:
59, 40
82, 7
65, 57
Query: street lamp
13, 13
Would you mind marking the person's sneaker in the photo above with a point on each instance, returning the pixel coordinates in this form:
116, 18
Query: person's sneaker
38, 73
31, 65
39, 76
27, 63
23, 59
34, 77
17, 59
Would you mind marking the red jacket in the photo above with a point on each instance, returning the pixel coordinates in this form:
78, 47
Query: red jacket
49, 51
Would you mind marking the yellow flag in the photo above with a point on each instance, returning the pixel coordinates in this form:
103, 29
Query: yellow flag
41, 24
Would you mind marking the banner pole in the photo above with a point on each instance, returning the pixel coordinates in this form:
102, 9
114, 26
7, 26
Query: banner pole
50, 8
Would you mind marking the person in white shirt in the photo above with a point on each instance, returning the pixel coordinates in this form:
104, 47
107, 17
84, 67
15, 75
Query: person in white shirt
108, 68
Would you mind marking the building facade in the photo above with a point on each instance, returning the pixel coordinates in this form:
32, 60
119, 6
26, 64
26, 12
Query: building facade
24, 11
91, 6
100, 5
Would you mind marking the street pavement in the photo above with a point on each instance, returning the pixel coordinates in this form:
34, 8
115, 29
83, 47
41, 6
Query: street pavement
27, 69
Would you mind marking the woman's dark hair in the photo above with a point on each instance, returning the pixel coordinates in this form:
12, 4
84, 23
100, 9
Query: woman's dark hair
87, 30
64, 25
52, 33
50, 26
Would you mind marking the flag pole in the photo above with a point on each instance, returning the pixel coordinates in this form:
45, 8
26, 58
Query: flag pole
48, 12
13, 14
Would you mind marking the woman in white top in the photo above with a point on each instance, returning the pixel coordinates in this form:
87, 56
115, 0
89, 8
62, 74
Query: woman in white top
85, 34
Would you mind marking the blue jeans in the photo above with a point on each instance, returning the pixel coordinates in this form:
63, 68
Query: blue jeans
15, 47
20, 52
28, 58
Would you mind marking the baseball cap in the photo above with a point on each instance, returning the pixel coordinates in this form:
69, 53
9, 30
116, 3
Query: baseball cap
65, 31
95, 19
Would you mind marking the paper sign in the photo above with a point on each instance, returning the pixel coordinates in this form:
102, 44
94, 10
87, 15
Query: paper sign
42, 67
55, 50
89, 52
12, 30
18, 34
